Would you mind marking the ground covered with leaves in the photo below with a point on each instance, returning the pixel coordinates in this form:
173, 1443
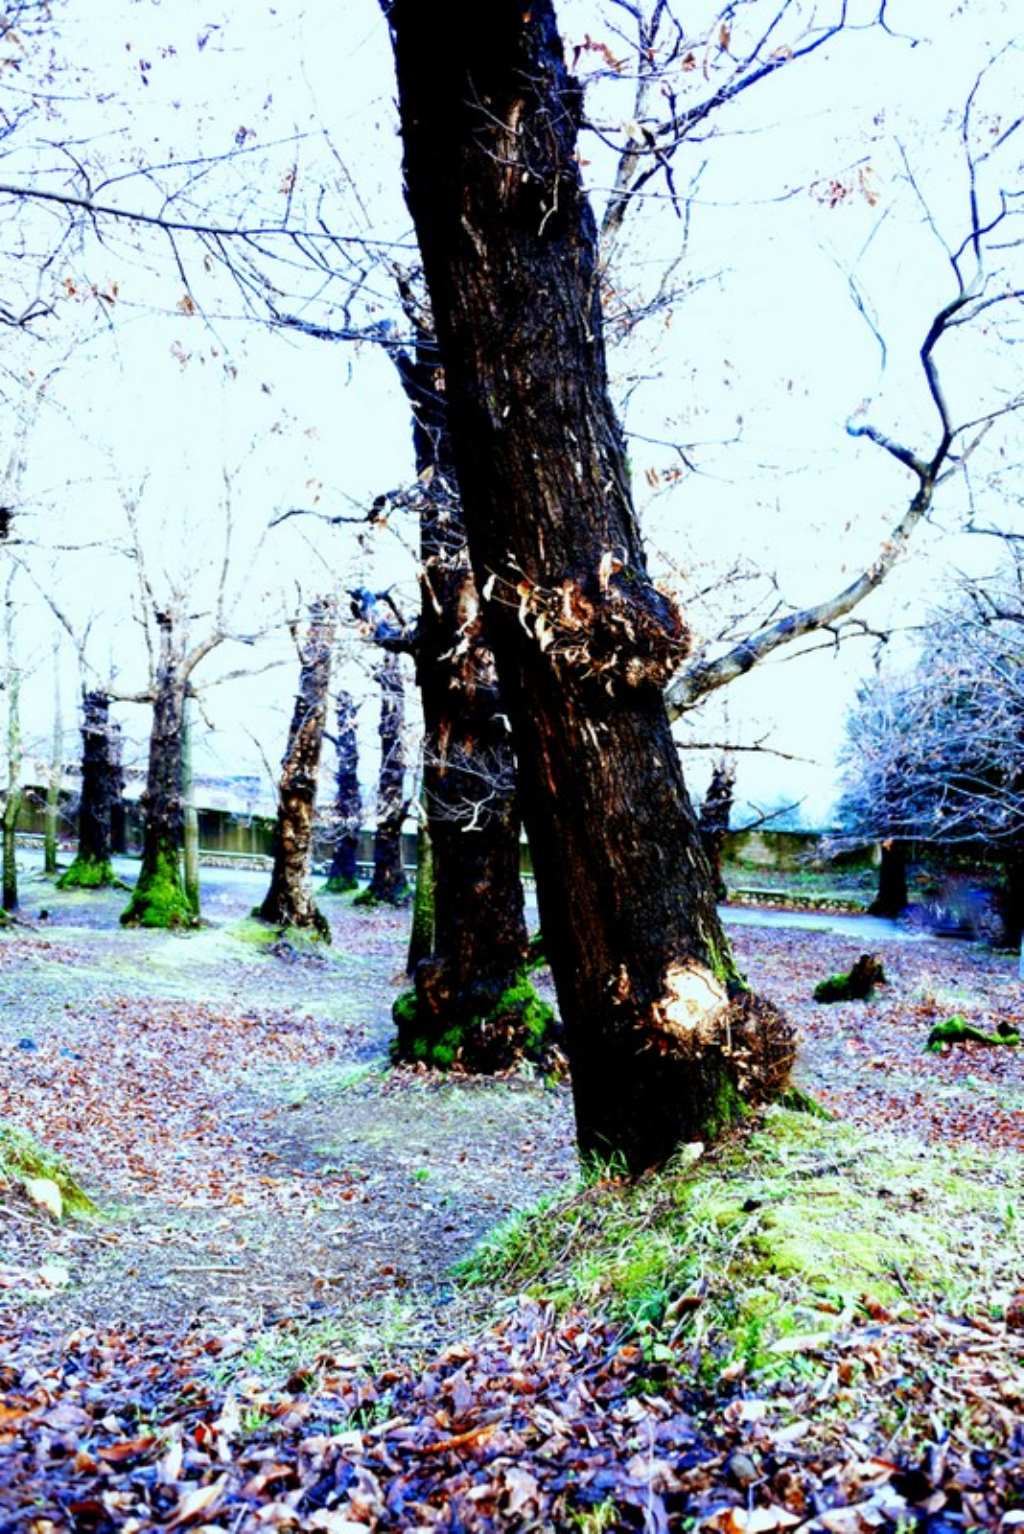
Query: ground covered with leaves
819, 1324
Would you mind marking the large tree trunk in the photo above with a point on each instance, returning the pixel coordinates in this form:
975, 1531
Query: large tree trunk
1011, 899
714, 820
159, 898
891, 899
421, 933
289, 902
471, 1003
92, 868
389, 884
665, 1045
118, 811
348, 809
190, 858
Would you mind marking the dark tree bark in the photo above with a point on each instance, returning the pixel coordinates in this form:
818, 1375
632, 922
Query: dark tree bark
92, 868
159, 898
714, 820
118, 812
891, 899
472, 1002
289, 902
348, 808
664, 1044
389, 884
1011, 898
421, 933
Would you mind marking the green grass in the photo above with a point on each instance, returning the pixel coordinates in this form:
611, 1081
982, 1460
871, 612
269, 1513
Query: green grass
778, 1237
23, 1158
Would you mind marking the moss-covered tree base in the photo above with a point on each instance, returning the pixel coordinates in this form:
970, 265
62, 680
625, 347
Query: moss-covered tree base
857, 984
957, 1030
339, 886
368, 899
316, 930
519, 1027
159, 899
90, 874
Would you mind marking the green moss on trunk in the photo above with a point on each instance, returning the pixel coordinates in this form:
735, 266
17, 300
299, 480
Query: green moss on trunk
88, 873
159, 898
519, 1026
339, 885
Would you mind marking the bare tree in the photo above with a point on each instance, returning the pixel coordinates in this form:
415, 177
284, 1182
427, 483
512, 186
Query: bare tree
388, 884
288, 901
347, 812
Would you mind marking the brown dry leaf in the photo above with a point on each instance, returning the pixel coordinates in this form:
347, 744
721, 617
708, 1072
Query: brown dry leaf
201, 1500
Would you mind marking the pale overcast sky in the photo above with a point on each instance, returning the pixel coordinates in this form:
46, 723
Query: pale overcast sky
761, 366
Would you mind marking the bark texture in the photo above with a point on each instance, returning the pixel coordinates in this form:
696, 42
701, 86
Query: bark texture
348, 808
471, 1002
714, 820
892, 898
190, 849
388, 883
421, 933
664, 1044
92, 868
289, 901
159, 898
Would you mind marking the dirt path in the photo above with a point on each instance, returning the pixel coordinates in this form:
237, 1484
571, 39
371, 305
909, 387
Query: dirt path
231, 1113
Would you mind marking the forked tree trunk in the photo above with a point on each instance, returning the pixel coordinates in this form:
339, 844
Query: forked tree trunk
664, 1044
891, 899
159, 898
289, 901
714, 820
472, 1001
389, 884
190, 850
348, 809
92, 868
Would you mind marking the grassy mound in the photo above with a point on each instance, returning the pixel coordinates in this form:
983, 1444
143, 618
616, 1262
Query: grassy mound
23, 1160
749, 1260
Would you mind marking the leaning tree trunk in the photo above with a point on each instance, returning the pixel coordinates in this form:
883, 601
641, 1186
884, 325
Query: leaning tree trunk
472, 1002
159, 898
714, 820
665, 1044
92, 868
389, 884
892, 898
289, 902
348, 808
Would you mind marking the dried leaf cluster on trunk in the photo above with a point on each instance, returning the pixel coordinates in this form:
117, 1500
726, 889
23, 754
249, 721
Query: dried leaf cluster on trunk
661, 1048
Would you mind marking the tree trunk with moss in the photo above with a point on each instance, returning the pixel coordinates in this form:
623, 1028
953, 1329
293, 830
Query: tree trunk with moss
389, 885
92, 868
348, 809
14, 795
714, 820
118, 809
891, 899
289, 901
421, 934
664, 1042
191, 814
159, 898
471, 1000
